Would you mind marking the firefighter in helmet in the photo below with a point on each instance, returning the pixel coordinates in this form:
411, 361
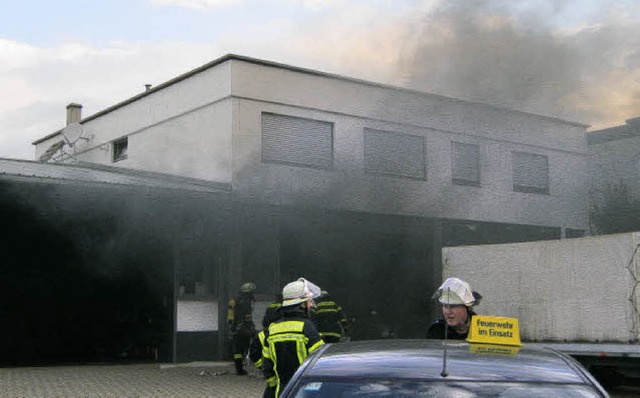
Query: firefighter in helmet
289, 340
457, 300
271, 315
241, 326
329, 319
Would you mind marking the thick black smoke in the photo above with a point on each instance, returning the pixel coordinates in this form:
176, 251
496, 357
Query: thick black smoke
522, 56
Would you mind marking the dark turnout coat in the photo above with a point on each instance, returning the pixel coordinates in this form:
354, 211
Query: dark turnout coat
329, 319
437, 330
287, 343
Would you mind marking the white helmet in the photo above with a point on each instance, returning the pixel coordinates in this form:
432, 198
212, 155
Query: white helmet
455, 291
247, 287
298, 292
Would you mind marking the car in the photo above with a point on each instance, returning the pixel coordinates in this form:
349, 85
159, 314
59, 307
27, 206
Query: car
438, 368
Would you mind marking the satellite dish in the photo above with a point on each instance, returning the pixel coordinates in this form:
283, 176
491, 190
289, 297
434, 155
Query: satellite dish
72, 133
52, 151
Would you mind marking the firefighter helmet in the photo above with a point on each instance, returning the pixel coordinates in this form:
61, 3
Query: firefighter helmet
298, 292
455, 291
247, 287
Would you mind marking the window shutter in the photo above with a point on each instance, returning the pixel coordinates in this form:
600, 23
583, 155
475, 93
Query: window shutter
530, 172
394, 154
465, 161
297, 141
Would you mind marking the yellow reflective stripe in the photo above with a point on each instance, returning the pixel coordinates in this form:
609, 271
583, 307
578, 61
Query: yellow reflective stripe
324, 310
271, 381
317, 345
237, 356
261, 337
326, 304
286, 327
288, 337
300, 341
330, 334
301, 347
231, 310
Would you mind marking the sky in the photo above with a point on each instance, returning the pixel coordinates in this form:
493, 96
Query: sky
577, 60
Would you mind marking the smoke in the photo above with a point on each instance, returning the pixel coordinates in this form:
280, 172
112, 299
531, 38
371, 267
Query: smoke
531, 58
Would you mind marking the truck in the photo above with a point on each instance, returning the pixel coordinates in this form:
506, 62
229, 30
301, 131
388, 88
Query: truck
579, 296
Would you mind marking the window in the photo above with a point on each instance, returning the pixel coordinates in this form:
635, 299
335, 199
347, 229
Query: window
465, 164
395, 154
297, 141
530, 172
120, 149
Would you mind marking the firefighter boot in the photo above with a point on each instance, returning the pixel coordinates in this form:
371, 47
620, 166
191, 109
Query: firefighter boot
239, 368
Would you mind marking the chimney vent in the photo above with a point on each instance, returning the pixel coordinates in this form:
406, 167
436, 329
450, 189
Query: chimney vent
147, 87
74, 113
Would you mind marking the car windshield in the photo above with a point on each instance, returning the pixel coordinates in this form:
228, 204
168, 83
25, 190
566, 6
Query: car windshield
462, 389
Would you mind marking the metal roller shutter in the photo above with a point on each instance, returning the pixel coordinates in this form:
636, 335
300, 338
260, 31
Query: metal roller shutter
465, 163
530, 172
298, 141
392, 153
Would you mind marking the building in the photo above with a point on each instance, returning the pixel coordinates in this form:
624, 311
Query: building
352, 184
614, 160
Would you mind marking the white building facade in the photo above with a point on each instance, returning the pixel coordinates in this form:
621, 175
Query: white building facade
285, 135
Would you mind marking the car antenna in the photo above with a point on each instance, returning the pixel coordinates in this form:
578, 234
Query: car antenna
445, 372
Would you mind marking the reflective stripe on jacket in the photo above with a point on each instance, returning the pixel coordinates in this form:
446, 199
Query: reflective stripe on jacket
255, 351
329, 318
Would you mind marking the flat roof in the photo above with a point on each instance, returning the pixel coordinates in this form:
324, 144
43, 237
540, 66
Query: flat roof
229, 57
97, 173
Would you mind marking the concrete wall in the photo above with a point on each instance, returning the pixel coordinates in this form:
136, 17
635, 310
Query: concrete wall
569, 290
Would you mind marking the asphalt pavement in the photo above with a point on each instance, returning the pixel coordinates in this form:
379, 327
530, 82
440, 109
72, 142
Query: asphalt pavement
215, 379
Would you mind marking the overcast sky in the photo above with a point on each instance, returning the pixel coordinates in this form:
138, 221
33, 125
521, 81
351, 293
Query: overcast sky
577, 60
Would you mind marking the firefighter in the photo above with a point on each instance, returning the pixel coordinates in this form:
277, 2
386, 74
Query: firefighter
457, 300
241, 327
329, 319
255, 355
290, 340
271, 314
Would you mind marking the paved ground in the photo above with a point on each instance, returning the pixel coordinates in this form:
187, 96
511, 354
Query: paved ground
123, 381
204, 379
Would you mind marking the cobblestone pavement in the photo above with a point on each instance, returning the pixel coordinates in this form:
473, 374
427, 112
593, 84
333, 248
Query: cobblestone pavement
196, 379
124, 381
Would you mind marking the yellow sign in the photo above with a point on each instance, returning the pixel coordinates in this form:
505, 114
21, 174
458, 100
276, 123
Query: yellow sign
494, 330
493, 349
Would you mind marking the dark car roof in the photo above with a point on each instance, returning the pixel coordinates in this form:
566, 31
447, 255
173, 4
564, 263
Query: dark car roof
423, 359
